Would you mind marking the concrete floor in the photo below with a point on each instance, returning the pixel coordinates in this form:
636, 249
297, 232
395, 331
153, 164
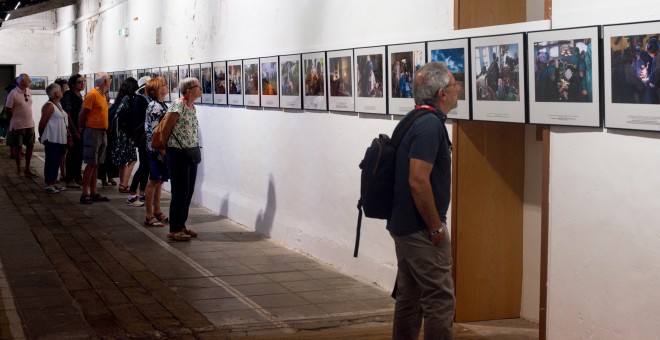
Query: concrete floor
79, 271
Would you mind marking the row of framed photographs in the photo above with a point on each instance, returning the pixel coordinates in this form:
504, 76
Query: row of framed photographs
558, 77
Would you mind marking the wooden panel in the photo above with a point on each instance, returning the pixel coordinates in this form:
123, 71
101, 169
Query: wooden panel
480, 13
489, 218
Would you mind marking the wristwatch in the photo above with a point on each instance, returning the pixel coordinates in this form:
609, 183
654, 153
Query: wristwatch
439, 230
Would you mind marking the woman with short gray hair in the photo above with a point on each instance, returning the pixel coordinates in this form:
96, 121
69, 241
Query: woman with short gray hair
53, 135
181, 124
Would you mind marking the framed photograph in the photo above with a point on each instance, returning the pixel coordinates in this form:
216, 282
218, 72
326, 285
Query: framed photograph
290, 80
563, 77
173, 82
112, 91
39, 84
456, 55
195, 72
314, 96
632, 76
220, 83
89, 82
370, 73
206, 82
251, 81
235, 76
184, 72
269, 86
404, 61
134, 74
498, 89
341, 96
141, 73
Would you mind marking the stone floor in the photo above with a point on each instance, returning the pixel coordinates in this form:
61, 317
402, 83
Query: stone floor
72, 271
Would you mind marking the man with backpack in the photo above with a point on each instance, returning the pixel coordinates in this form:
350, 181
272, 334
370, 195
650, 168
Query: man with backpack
425, 289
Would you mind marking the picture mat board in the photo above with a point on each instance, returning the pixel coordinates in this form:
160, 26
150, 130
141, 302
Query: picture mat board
220, 82
235, 82
269, 69
622, 115
493, 110
565, 113
318, 100
206, 82
251, 82
378, 103
341, 94
291, 66
399, 105
451, 50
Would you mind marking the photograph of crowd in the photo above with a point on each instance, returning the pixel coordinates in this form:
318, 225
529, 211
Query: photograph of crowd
251, 72
454, 58
173, 79
234, 79
314, 77
369, 75
497, 72
290, 78
404, 65
184, 72
269, 78
635, 69
206, 79
195, 71
563, 71
220, 79
341, 81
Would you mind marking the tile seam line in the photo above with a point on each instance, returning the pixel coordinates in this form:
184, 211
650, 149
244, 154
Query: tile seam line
206, 273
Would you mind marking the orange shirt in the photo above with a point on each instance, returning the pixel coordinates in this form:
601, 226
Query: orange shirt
97, 117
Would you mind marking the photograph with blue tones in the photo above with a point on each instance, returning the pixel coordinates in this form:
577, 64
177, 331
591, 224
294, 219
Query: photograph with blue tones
497, 69
454, 58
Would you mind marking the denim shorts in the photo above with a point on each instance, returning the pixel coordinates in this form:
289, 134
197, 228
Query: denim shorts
158, 167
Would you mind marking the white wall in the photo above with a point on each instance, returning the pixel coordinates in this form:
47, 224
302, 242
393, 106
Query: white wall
604, 235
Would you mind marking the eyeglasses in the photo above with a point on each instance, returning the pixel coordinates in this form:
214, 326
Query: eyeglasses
80, 82
451, 85
192, 87
26, 97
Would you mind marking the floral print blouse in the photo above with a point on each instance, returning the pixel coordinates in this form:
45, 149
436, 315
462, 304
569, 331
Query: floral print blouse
155, 112
185, 129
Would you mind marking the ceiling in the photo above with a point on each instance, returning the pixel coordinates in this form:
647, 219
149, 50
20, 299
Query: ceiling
29, 7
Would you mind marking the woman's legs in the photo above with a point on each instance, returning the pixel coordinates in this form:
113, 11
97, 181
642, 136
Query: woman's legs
149, 197
51, 165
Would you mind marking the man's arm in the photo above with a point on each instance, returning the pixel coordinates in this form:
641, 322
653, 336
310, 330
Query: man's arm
82, 119
419, 180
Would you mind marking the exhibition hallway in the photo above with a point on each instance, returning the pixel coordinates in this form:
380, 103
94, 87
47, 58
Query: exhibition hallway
71, 271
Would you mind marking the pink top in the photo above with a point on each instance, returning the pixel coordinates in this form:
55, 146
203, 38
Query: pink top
21, 110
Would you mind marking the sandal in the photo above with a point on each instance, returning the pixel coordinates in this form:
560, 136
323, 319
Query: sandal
99, 198
123, 189
179, 236
112, 182
153, 222
189, 232
86, 199
161, 217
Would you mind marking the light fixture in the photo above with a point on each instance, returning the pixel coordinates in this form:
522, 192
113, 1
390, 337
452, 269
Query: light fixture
18, 4
7, 16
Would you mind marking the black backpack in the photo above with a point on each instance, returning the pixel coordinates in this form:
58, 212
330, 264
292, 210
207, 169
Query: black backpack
377, 179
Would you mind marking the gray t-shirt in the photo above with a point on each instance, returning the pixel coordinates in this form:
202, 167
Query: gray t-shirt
426, 140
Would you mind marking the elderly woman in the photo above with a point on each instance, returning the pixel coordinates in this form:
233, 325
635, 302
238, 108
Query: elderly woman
157, 90
179, 134
52, 132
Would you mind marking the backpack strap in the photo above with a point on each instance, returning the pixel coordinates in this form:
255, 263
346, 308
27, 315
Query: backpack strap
405, 124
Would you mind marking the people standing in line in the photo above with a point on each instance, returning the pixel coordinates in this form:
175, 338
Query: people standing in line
419, 214
123, 152
180, 132
21, 124
157, 90
141, 176
93, 123
52, 134
72, 101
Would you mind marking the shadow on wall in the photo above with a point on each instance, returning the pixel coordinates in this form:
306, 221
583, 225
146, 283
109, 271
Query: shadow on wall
264, 223
224, 206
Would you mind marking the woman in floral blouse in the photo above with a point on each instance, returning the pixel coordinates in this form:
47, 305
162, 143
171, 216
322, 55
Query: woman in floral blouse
179, 133
157, 90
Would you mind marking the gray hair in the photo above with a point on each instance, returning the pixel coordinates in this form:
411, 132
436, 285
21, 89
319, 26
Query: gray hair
100, 77
428, 81
51, 89
187, 84
21, 77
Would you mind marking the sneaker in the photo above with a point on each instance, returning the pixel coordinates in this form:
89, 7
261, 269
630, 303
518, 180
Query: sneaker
141, 198
134, 201
72, 185
30, 173
59, 187
51, 189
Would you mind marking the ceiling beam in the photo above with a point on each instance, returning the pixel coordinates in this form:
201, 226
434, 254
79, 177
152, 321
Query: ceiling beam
39, 8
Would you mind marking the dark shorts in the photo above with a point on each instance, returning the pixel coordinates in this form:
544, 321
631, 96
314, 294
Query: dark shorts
20, 137
157, 169
95, 143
